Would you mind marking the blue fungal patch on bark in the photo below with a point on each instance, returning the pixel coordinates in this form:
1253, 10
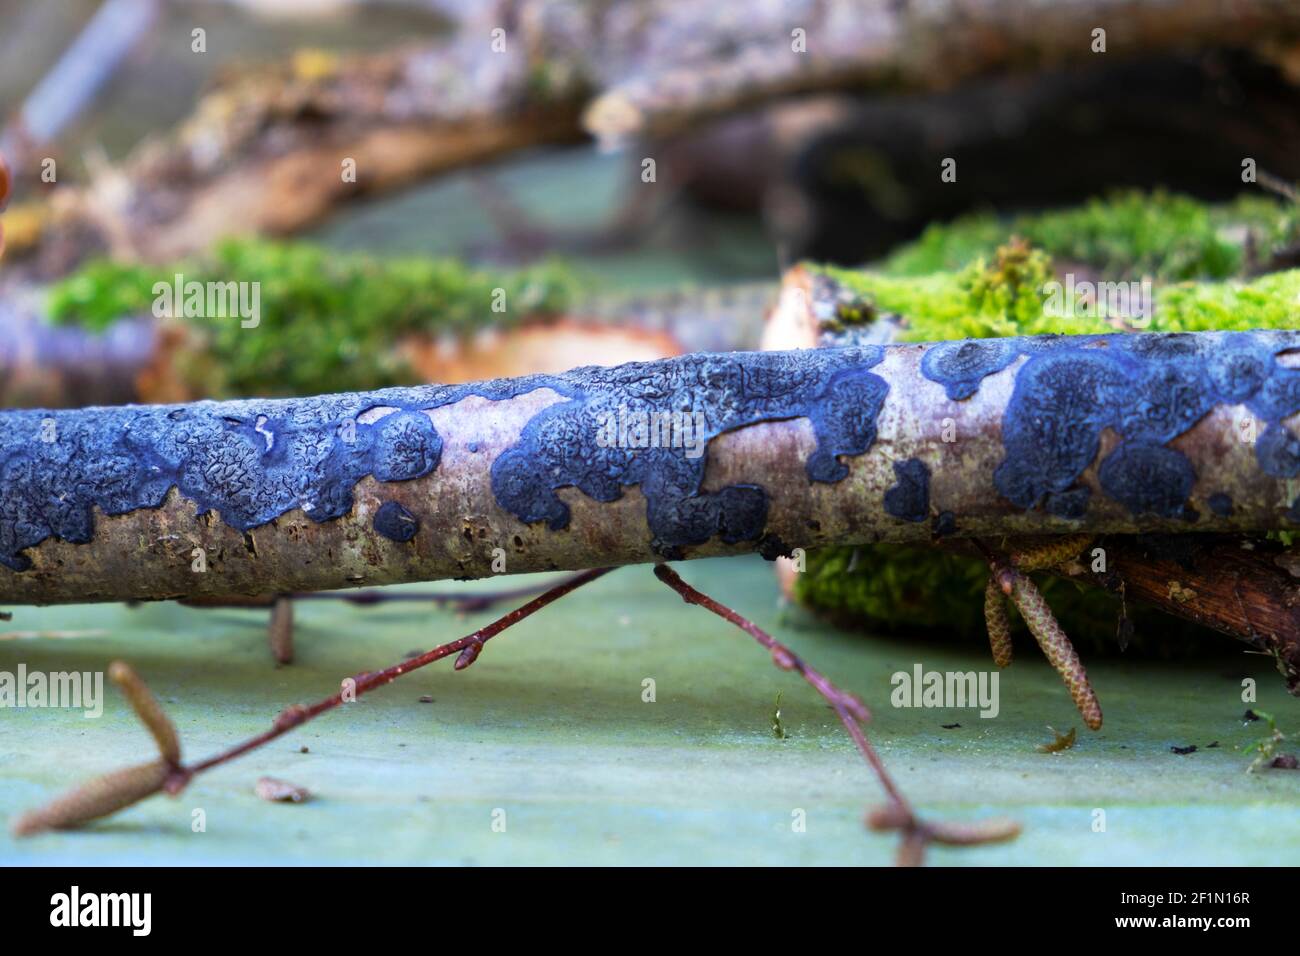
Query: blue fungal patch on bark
395, 522
253, 461
909, 499
1148, 389
961, 366
1221, 504
561, 446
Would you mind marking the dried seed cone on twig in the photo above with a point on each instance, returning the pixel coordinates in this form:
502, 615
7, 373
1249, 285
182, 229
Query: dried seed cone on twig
98, 798
1041, 556
1057, 647
999, 625
148, 709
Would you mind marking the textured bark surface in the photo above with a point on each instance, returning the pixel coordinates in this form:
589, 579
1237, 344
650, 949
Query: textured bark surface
1109, 434
1250, 590
883, 43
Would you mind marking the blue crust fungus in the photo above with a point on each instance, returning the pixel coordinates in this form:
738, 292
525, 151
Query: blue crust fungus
253, 461
1148, 389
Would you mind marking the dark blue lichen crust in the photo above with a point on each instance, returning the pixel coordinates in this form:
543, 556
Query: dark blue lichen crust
1148, 389
395, 522
253, 461
909, 499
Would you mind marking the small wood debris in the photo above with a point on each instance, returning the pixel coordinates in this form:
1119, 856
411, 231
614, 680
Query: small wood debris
280, 791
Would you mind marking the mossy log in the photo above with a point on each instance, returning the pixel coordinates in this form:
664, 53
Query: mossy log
685, 457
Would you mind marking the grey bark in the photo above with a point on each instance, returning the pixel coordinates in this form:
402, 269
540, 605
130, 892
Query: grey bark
1108, 434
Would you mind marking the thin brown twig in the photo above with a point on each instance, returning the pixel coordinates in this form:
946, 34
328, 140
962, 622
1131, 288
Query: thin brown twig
120, 789
897, 814
460, 600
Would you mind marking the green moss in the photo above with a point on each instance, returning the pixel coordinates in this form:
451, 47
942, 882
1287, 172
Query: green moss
329, 320
1125, 236
901, 589
1008, 297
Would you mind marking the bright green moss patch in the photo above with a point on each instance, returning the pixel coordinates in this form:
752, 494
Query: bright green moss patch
1010, 294
1125, 236
329, 320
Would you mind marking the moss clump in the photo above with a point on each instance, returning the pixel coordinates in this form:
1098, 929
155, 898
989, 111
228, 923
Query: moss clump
901, 589
329, 320
1007, 297
1125, 236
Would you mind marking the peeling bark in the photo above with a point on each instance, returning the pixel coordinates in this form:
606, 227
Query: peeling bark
1249, 590
1104, 434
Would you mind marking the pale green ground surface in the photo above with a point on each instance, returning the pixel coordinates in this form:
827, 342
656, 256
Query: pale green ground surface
550, 726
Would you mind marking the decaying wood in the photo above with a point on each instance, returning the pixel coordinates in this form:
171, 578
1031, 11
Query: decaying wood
795, 449
263, 151
858, 44
1246, 589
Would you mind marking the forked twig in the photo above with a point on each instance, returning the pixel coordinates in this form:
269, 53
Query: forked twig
897, 814
116, 791
280, 630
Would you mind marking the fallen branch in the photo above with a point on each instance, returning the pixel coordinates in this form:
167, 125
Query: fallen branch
776, 52
764, 452
262, 152
1247, 589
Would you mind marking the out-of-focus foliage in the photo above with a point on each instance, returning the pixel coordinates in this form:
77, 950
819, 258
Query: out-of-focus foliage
1126, 236
329, 321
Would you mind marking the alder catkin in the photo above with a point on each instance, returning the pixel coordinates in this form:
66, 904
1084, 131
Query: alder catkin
1040, 556
148, 709
999, 625
97, 798
1057, 647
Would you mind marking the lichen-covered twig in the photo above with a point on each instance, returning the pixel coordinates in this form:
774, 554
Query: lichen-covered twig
686, 457
116, 791
897, 814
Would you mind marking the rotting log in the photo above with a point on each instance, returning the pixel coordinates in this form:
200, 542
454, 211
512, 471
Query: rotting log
1247, 589
783, 51
1105, 434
